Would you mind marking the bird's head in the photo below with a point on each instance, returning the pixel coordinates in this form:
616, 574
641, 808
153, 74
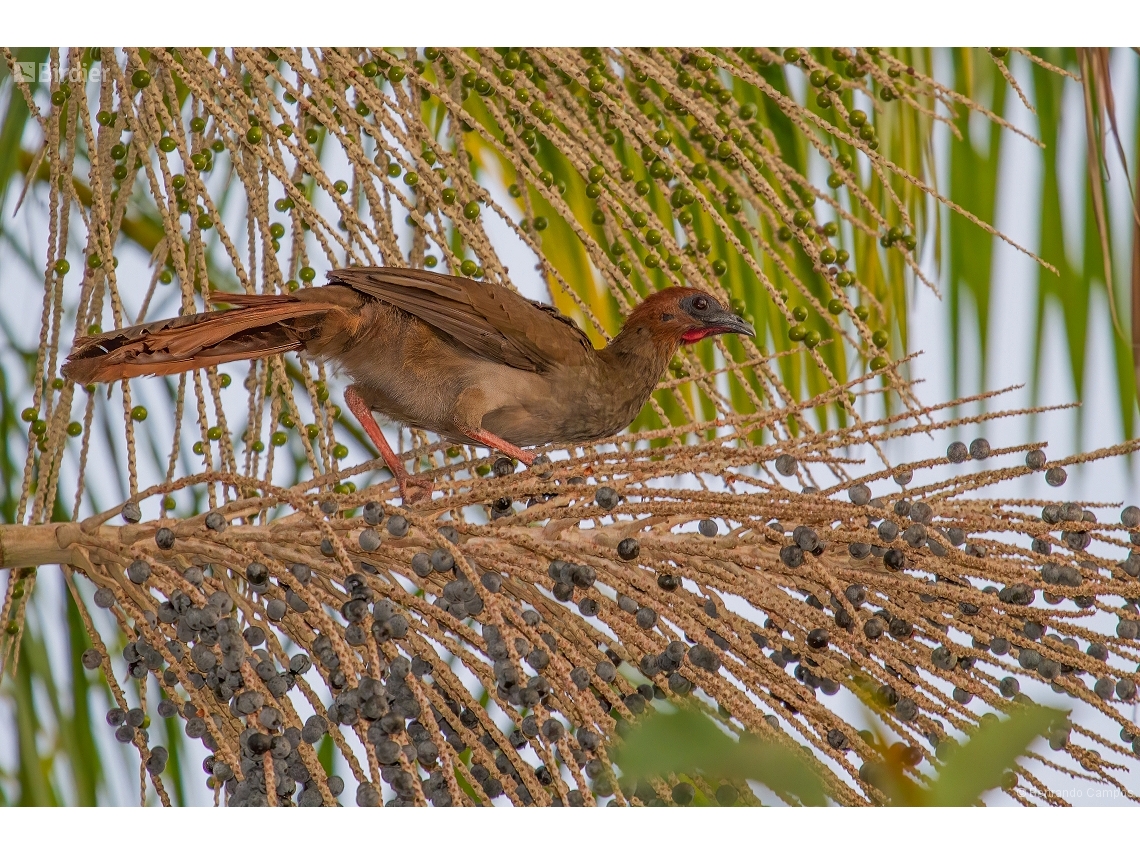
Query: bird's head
677, 316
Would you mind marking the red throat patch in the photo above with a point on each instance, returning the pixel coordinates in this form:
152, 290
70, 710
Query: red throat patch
696, 335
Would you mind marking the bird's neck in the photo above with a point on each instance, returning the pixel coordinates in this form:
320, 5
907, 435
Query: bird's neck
637, 359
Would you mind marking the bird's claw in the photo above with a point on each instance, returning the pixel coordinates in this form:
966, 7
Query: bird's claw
414, 490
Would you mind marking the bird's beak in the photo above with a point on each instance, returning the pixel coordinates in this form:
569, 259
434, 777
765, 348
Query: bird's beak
726, 322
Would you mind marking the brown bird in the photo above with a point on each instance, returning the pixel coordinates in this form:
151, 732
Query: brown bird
468, 360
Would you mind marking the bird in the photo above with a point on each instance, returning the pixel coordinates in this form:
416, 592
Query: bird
469, 360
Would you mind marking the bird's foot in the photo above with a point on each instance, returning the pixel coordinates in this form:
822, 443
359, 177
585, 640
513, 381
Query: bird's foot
414, 490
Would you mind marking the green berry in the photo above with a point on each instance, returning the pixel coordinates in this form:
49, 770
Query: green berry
199, 448
313, 431
306, 274
540, 223
279, 438
214, 433
719, 267
411, 178
448, 196
835, 306
812, 338
167, 144
341, 186
340, 452
254, 135
62, 266
471, 210
258, 446
141, 79
880, 338
138, 413
879, 363
798, 332
800, 313
801, 219
169, 503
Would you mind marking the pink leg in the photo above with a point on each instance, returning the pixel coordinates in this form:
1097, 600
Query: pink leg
491, 441
363, 413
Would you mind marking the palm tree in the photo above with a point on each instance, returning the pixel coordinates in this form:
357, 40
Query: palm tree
802, 185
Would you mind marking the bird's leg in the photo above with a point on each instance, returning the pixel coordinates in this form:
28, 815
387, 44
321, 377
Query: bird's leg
412, 489
491, 441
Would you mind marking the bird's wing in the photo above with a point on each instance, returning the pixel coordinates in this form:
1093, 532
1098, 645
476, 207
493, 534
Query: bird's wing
490, 320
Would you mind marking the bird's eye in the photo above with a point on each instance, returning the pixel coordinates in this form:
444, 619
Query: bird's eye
700, 304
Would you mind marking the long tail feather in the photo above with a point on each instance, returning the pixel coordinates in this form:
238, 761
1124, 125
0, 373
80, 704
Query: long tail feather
260, 325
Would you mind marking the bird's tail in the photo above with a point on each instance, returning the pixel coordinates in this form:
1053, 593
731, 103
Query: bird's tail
258, 325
